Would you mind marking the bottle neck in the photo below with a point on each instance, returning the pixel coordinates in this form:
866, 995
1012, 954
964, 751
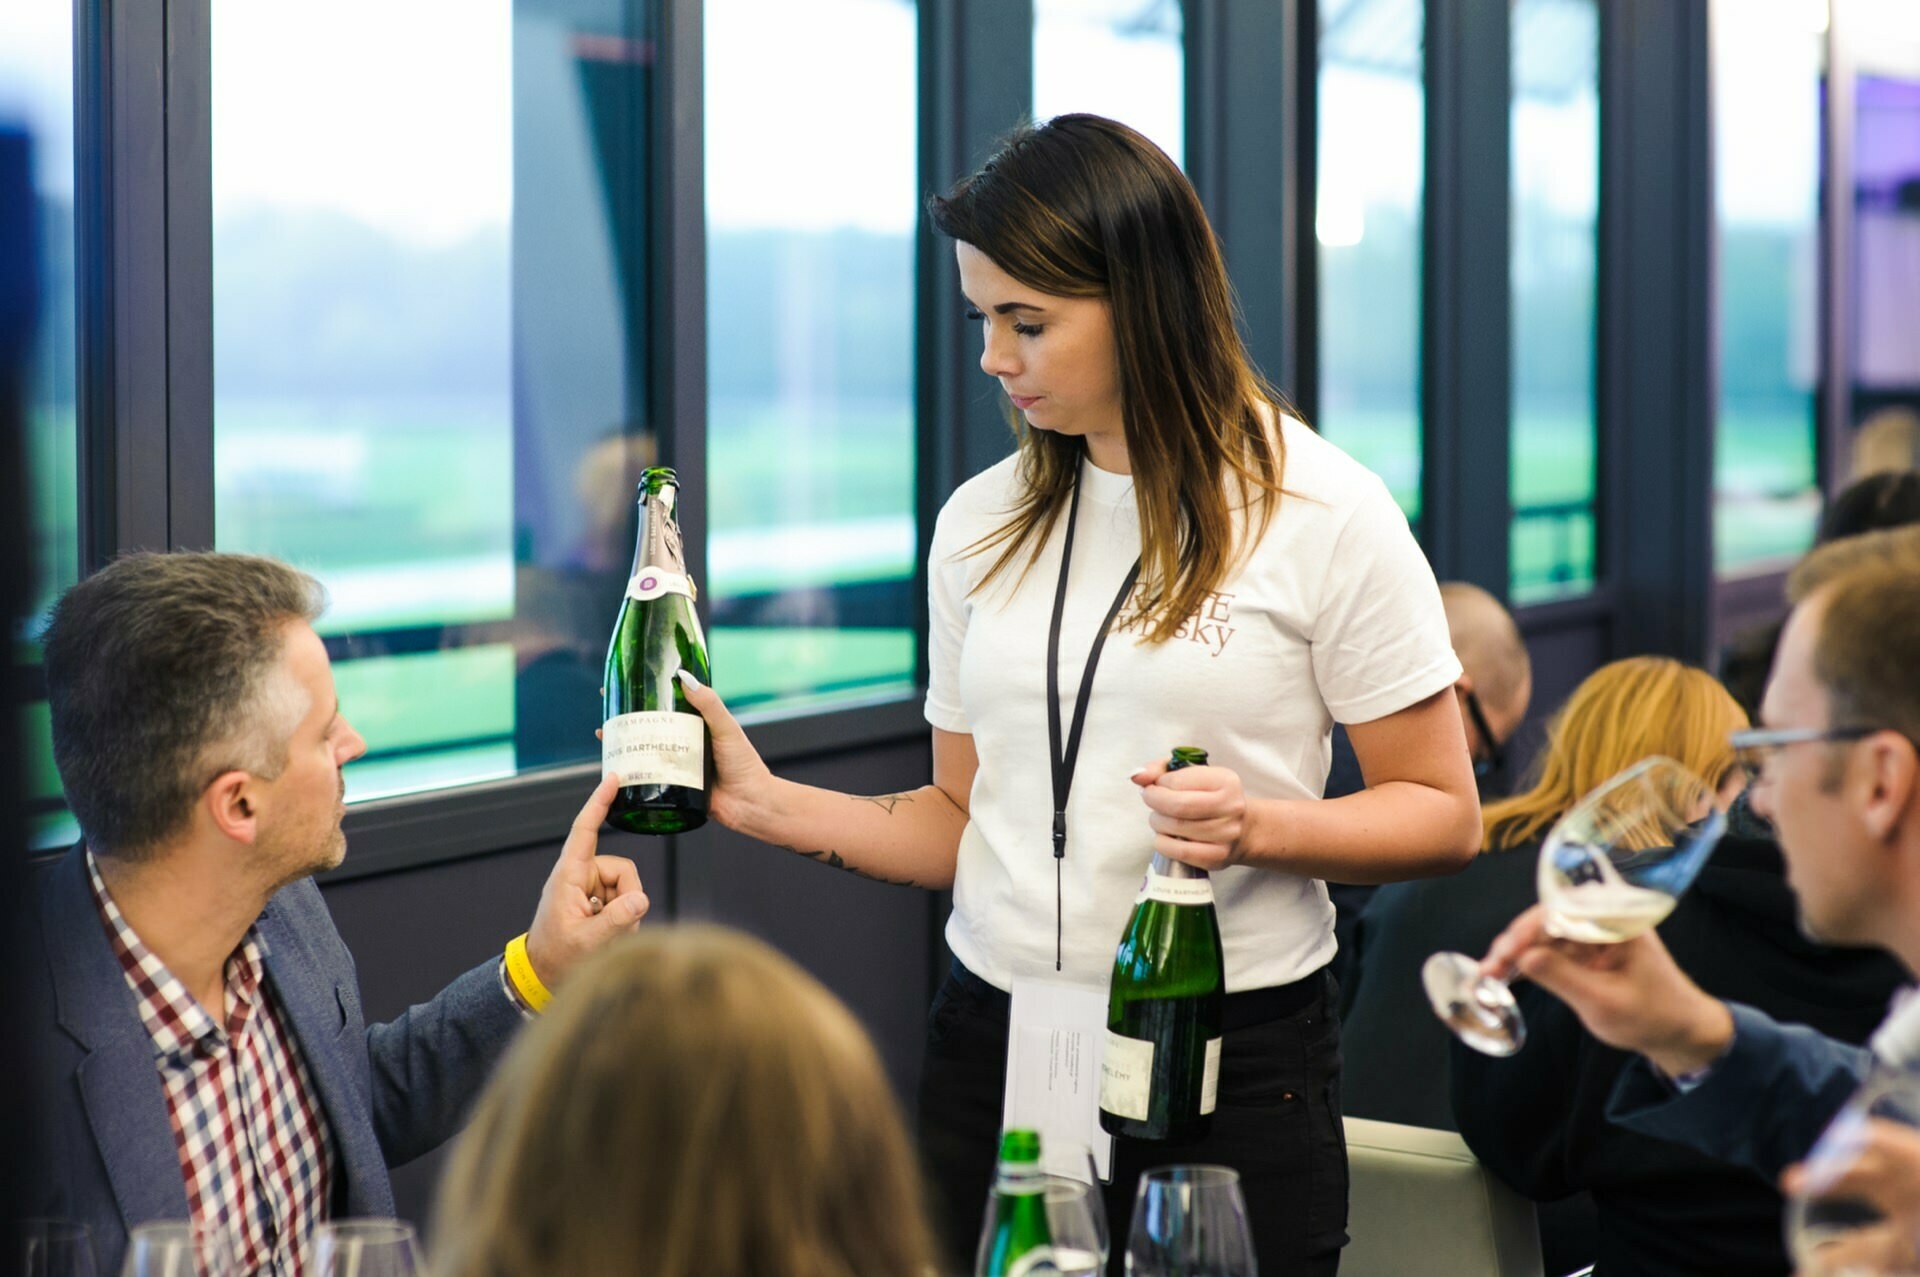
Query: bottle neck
658, 543
1167, 867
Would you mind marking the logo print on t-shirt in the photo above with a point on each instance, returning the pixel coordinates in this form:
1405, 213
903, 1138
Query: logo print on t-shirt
1206, 625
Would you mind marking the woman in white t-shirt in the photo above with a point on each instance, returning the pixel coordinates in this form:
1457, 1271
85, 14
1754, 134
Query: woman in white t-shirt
1278, 591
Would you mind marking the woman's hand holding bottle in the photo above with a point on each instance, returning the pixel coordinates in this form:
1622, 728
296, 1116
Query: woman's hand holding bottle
742, 781
1199, 815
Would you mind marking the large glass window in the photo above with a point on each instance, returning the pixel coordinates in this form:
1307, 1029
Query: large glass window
1768, 59
429, 344
1372, 173
36, 93
1123, 59
1886, 241
810, 319
1555, 131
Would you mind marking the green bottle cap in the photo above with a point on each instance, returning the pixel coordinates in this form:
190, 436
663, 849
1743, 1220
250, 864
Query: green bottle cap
653, 478
1187, 756
1019, 1146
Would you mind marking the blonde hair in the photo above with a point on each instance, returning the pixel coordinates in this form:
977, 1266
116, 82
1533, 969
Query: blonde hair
691, 1104
1622, 713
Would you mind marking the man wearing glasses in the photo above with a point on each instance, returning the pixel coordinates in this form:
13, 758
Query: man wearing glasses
1837, 769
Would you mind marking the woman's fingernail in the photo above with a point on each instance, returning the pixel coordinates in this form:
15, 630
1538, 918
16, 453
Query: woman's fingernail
686, 676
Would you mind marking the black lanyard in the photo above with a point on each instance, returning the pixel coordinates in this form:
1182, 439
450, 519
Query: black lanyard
1061, 759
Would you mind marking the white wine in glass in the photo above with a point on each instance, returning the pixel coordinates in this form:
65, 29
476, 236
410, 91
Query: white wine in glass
1610, 869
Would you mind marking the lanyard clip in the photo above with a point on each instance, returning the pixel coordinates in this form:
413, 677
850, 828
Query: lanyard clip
1059, 835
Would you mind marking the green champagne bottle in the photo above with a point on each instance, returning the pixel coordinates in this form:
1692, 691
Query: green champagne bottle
1165, 1004
655, 740
1016, 1241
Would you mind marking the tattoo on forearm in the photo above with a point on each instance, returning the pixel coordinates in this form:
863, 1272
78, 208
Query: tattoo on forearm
834, 860
885, 802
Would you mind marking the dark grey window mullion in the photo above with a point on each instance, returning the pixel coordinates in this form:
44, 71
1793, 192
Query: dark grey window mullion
976, 82
678, 233
1657, 359
1466, 403
121, 260
189, 258
1249, 92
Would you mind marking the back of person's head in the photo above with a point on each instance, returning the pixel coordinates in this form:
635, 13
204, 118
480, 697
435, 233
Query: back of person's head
1890, 499
163, 671
1888, 440
1866, 652
691, 1105
1623, 712
1083, 206
1488, 643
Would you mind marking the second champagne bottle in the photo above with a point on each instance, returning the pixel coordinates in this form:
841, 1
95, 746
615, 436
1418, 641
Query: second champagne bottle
651, 736
1166, 1004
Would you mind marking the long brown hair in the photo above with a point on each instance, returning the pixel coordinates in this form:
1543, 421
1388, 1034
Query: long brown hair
1084, 207
1622, 713
691, 1105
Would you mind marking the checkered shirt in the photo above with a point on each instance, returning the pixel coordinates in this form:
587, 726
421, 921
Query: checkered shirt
254, 1148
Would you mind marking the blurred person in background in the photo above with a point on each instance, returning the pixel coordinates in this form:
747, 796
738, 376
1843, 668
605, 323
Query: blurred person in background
1887, 442
1890, 499
1623, 712
1494, 689
198, 1024
1837, 772
693, 1105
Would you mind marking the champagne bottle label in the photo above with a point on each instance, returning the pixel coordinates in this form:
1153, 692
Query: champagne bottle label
652, 582
1210, 1080
655, 747
1126, 1076
1176, 891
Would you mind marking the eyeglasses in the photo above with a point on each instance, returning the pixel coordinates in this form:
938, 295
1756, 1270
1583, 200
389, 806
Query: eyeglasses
1496, 759
1753, 750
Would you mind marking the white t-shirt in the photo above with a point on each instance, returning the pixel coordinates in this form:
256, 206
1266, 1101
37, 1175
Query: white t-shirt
1335, 616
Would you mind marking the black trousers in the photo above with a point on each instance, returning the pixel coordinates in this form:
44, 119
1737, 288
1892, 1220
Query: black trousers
1277, 1123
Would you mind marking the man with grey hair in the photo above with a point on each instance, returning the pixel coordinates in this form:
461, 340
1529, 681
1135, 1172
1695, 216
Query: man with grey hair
198, 1020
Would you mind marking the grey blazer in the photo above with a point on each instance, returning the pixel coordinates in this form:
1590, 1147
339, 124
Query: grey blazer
390, 1092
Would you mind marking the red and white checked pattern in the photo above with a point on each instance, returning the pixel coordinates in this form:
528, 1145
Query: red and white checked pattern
254, 1148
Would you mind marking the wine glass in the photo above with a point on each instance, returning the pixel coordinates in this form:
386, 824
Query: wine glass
1610, 869
1067, 1159
1077, 1221
1190, 1221
178, 1250
53, 1248
365, 1248
1828, 1233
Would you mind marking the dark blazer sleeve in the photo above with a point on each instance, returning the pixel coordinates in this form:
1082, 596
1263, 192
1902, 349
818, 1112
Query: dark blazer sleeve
1762, 1106
429, 1064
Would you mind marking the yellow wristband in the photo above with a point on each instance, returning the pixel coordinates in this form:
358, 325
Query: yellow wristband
526, 982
